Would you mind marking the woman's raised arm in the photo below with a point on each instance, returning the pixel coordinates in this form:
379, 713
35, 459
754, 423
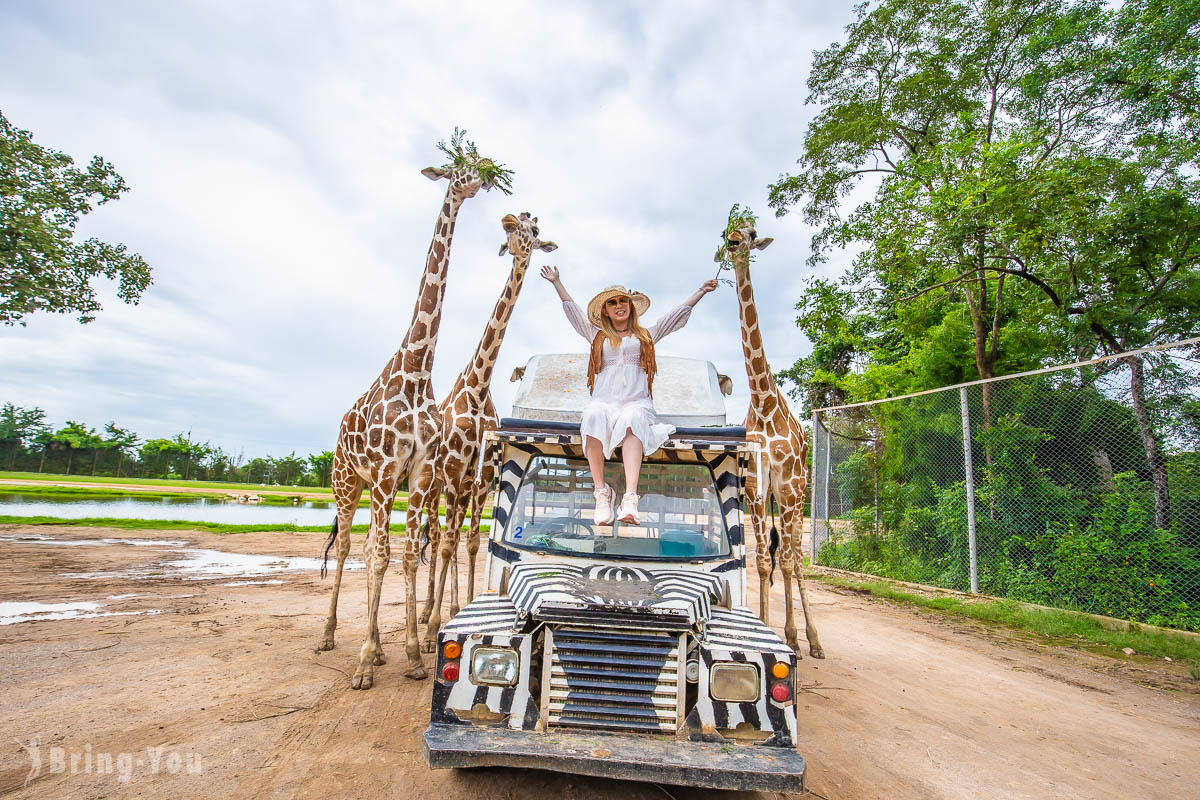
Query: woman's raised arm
574, 313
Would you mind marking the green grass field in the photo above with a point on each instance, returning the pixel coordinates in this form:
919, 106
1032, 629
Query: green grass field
182, 525
243, 487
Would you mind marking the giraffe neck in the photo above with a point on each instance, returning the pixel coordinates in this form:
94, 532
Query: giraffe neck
758, 371
415, 357
478, 374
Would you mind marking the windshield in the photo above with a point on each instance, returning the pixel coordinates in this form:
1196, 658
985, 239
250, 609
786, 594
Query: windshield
681, 514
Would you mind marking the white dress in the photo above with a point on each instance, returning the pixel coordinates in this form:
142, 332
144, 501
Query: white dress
621, 395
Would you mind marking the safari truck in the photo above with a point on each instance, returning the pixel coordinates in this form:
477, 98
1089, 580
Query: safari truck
623, 651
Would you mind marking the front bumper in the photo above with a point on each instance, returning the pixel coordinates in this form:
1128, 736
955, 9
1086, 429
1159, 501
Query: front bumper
639, 758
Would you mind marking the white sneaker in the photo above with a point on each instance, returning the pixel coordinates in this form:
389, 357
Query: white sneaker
604, 506
628, 512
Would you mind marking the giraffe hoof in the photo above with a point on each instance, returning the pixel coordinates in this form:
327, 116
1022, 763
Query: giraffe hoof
362, 680
417, 673
326, 643
379, 659
816, 652
428, 646
423, 617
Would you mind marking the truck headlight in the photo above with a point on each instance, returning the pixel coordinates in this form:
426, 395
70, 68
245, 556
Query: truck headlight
734, 683
495, 666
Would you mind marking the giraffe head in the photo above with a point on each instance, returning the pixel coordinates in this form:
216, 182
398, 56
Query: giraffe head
739, 238
468, 171
522, 233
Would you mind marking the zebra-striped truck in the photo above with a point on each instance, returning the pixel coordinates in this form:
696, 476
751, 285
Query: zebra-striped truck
623, 651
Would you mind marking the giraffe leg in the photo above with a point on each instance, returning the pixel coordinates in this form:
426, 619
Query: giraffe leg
421, 491
762, 560
478, 497
450, 537
347, 488
379, 551
435, 538
810, 629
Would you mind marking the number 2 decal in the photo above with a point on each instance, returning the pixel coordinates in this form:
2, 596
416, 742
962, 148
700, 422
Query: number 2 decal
517, 531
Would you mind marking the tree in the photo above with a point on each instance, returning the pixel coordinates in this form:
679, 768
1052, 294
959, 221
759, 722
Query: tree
76, 436
322, 464
959, 107
122, 441
1036, 169
19, 428
42, 197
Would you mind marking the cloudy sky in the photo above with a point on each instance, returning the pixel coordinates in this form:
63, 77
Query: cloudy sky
274, 153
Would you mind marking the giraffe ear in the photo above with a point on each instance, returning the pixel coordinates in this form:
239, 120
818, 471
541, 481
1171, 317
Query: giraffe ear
762, 244
435, 173
548, 247
504, 248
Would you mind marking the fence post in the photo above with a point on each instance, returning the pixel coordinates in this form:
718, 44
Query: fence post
825, 509
970, 478
812, 492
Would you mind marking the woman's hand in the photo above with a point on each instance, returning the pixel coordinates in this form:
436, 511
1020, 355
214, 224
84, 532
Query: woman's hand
551, 274
709, 285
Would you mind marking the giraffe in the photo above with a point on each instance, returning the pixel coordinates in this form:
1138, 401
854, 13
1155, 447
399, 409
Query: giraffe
391, 431
784, 447
465, 415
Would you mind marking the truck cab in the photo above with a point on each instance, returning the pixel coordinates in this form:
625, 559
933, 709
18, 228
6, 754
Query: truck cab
618, 650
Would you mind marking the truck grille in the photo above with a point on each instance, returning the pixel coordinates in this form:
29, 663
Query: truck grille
604, 679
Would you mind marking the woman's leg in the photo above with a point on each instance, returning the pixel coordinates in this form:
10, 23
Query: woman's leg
595, 458
631, 456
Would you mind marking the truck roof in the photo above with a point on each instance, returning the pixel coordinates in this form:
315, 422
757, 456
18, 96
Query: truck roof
687, 391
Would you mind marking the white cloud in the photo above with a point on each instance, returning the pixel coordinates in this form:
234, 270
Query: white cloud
274, 155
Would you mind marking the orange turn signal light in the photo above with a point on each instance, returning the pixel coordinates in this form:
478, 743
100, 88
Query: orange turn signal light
780, 670
452, 650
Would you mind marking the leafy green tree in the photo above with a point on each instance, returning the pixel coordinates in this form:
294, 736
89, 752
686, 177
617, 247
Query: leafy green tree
121, 441
20, 428
289, 468
960, 108
42, 197
74, 437
321, 465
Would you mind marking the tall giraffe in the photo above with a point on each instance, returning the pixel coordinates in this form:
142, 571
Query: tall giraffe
466, 414
778, 434
391, 431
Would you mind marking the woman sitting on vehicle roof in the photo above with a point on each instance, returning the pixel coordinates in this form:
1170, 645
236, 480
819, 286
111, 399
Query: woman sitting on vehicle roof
620, 376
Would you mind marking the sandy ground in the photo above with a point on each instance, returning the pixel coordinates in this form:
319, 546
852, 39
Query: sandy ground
907, 705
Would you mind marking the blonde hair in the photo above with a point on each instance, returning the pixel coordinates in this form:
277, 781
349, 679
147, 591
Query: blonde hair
609, 332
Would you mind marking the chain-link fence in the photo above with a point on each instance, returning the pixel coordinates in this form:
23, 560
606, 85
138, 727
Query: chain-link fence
1079, 487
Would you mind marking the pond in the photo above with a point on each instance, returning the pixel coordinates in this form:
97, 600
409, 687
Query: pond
192, 509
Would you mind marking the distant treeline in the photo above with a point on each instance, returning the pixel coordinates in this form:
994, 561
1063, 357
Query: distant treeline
28, 443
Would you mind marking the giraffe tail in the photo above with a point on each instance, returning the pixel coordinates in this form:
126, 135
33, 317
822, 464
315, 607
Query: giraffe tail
774, 546
424, 540
333, 532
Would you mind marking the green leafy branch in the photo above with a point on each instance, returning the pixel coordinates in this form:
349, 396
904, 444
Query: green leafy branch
738, 218
463, 154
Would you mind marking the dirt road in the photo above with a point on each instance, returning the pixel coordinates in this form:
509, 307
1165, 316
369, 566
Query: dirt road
197, 657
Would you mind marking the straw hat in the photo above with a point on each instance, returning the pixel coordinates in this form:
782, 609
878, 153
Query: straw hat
596, 304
